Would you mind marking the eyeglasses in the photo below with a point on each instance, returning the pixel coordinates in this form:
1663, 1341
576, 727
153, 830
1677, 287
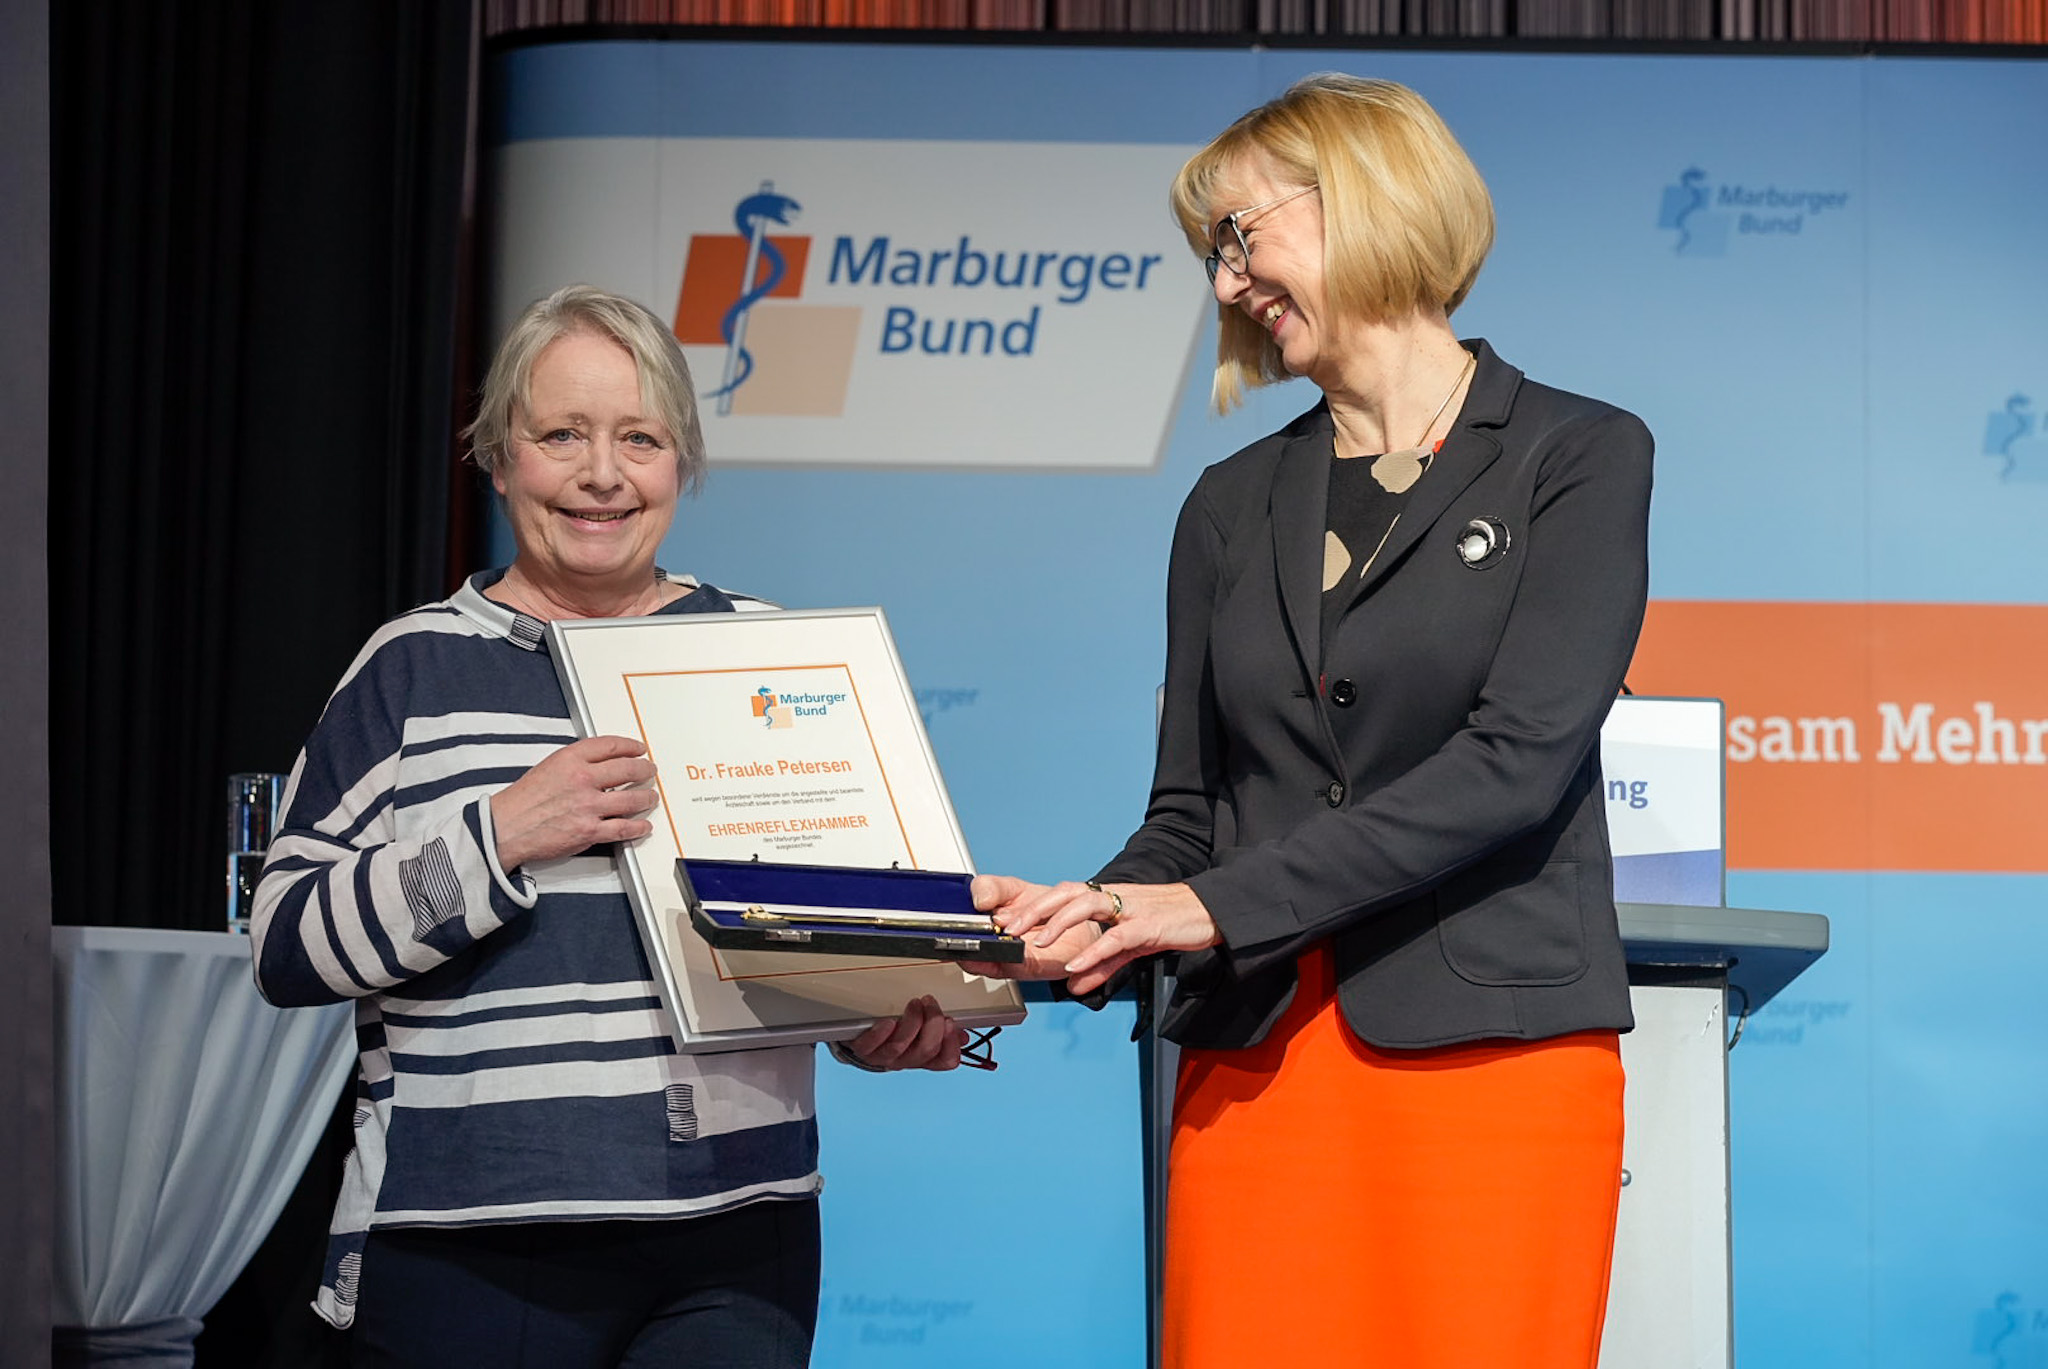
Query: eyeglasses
980, 1051
1231, 249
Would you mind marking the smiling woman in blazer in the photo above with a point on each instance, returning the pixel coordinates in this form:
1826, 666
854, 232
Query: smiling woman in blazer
1377, 838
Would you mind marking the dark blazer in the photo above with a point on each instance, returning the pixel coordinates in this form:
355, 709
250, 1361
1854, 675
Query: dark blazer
1422, 790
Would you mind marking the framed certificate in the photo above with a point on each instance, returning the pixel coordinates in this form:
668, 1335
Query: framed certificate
782, 737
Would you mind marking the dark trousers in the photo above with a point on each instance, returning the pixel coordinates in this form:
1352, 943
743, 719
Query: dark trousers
734, 1290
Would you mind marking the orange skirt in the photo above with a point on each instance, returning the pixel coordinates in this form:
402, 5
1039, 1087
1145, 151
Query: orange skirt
1331, 1203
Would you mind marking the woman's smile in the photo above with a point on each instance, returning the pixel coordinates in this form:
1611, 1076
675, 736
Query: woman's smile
597, 520
1278, 283
590, 483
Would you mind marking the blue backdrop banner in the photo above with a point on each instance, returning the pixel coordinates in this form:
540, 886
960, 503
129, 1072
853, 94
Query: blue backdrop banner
955, 358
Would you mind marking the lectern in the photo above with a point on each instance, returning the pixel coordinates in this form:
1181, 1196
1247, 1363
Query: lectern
1693, 965
1670, 1304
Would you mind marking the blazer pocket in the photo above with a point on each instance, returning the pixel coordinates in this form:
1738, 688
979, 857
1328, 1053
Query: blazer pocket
1518, 925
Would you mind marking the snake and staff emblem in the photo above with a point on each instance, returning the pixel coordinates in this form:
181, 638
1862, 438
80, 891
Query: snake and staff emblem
2009, 425
1681, 202
753, 216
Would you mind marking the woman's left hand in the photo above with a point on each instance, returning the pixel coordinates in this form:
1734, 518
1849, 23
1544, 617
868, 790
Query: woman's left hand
923, 1038
1153, 918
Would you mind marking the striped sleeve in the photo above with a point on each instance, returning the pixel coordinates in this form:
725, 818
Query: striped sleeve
378, 874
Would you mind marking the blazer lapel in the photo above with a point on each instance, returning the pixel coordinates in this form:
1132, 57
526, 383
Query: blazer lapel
1467, 451
1299, 513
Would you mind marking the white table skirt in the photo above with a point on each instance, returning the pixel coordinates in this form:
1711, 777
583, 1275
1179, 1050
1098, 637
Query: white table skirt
186, 1110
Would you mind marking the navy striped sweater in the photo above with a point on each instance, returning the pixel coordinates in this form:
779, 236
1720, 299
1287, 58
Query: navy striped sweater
515, 1063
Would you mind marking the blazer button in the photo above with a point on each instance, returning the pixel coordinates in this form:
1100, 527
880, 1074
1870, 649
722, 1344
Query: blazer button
1335, 794
1343, 693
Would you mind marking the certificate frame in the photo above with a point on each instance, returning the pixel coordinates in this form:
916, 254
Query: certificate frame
775, 734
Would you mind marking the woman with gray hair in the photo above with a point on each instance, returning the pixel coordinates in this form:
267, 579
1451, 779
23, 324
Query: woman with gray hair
538, 1177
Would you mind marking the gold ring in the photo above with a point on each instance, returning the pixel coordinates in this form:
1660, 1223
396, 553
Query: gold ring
1116, 901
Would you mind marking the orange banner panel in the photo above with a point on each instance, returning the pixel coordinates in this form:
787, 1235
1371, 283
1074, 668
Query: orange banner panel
1869, 736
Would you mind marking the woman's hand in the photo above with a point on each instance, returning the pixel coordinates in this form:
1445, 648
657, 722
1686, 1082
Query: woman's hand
1079, 932
1001, 896
1156, 917
584, 795
923, 1038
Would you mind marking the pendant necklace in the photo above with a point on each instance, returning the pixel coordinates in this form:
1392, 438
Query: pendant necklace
1397, 472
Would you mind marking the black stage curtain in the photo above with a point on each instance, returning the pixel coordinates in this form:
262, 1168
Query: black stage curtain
259, 213
26, 1127
261, 227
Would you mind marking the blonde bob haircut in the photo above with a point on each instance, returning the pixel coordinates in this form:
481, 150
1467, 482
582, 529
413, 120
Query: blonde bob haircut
1407, 221
665, 385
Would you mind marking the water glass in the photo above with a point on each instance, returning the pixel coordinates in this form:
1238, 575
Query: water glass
255, 805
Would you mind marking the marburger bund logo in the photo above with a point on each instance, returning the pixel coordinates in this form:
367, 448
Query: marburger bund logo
932, 702
2010, 1334
1703, 214
785, 358
782, 710
788, 359
2013, 434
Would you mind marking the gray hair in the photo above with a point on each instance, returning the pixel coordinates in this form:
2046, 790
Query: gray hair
665, 384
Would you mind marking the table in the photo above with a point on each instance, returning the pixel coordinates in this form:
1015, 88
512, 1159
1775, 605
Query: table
186, 1110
